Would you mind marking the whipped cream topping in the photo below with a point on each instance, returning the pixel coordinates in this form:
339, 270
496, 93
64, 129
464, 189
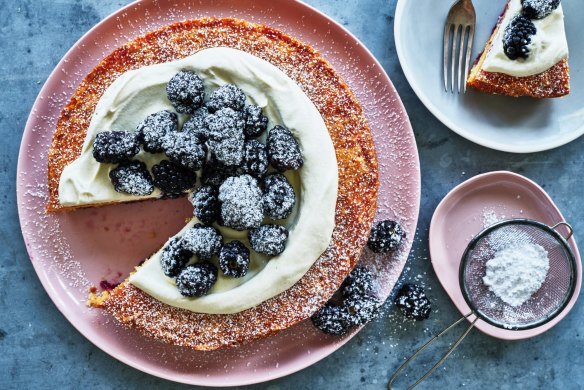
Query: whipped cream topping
141, 92
548, 46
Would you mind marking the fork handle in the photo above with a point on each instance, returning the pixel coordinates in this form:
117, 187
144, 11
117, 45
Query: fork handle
439, 363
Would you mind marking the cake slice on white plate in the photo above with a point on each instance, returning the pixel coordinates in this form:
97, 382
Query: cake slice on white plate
527, 53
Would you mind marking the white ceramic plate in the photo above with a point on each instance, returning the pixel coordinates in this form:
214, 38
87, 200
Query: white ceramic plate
518, 125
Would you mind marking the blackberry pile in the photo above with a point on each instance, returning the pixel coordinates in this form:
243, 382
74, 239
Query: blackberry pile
242, 178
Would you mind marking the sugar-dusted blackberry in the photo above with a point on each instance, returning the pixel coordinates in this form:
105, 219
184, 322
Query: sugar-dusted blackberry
283, 149
154, 128
173, 179
359, 282
268, 239
196, 124
132, 177
174, 257
539, 9
206, 204
196, 280
226, 96
255, 121
362, 308
332, 320
186, 92
413, 303
255, 159
279, 197
234, 259
203, 241
225, 136
215, 173
185, 149
517, 37
385, 236
113, 147
241, 203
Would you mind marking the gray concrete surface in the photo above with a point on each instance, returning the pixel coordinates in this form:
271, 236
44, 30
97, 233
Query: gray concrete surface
40, 349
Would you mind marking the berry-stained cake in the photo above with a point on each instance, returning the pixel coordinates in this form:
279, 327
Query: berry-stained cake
527, 53
272, 149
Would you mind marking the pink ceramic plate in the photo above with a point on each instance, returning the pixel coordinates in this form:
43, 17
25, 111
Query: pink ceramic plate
73, 251
466, 210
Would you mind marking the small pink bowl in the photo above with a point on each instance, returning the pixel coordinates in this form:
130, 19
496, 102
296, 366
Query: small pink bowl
460, 216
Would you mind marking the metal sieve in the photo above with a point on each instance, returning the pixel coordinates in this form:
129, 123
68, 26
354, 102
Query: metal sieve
544, 305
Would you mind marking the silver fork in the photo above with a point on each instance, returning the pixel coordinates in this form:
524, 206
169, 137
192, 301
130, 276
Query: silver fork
460, 24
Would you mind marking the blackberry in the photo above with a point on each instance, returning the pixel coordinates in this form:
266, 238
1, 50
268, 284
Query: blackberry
174, 257
283, 149
385, 236
359, 282
113, 147
154, 128
268, 239
234, 259
332, 320
413, 303
196, 124
132, 178
186, 92
226, 96
215, 173
539, 9
196, 280
225, 136
173, 179
241, 203
279, 197
362, 308
185, 149
517, 37
255, 159
203, 241
206, 204
255, 121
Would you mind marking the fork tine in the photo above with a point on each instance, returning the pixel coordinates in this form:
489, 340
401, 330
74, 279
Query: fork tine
455, 39
461, 55
468, 53
447, 30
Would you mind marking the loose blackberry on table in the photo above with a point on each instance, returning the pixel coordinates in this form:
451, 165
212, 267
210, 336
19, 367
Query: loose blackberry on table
196, 280
255, 159
132, 178
279, 197
385, 236
196, 124
225, 135
283, 149
517, 37
204, 241
234, 259
226, 96
255, 121
155, 128
413, 303
112, 147
268, 239
174, 257
362, 308
539, 9
172, 179
332, 320
241, 203
185, 149
206, 204
359, 282
186, 92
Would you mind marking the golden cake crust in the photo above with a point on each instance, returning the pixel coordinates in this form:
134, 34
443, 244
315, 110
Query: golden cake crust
357, 168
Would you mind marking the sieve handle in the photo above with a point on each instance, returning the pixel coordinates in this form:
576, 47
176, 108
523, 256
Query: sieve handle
568, 226
439, 363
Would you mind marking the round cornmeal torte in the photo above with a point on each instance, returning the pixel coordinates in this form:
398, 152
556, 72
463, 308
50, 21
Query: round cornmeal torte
356, 163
